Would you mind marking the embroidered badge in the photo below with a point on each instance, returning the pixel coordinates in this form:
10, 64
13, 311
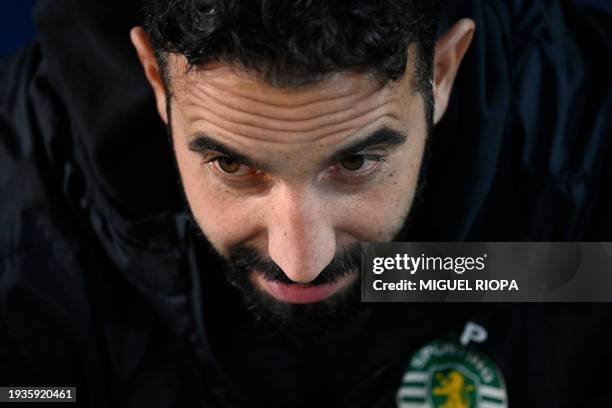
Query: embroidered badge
446, 374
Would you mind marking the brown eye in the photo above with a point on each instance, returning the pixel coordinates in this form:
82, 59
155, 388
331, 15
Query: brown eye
353, 163
228, 165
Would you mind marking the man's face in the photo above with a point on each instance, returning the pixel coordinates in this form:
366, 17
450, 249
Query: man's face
284, 183
296, 176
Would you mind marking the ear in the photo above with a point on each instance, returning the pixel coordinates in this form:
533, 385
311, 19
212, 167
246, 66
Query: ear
142, 44
450, 49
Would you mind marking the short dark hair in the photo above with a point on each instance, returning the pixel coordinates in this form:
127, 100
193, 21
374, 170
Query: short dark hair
292, 43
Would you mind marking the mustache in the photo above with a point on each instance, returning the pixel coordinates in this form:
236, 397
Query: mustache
247, 258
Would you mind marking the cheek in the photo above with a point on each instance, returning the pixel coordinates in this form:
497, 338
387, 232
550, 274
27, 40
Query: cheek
379, 213
223, 217
377, 216
224, 223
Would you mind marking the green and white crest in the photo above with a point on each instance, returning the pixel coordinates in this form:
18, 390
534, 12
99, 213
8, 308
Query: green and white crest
446, 374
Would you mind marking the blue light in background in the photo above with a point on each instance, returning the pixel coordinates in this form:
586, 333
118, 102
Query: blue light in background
16, 26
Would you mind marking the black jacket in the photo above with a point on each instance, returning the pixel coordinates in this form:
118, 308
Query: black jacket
103, 286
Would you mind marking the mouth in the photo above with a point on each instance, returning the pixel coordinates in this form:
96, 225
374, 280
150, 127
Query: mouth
302, 292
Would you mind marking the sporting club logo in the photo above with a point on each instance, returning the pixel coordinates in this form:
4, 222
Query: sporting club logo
447, 374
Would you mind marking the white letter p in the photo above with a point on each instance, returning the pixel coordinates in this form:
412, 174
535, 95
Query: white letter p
473, 332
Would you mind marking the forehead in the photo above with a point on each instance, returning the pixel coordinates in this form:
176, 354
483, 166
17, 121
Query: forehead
235, 103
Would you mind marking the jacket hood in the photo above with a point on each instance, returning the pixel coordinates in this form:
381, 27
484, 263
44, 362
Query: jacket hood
90, 61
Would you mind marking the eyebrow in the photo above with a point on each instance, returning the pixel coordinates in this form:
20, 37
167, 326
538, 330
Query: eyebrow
384, 136
202, 142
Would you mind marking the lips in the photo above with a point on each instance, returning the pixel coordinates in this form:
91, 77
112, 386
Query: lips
299, 292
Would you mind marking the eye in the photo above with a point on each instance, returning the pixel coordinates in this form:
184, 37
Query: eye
353, 163
229, 166
357, 168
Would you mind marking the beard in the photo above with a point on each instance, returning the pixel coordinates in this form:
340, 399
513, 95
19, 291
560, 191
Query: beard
299, 320
303, 323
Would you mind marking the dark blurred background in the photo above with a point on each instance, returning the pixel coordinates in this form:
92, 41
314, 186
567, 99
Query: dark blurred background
17, 28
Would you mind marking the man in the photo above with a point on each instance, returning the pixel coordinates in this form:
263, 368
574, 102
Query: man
298, 130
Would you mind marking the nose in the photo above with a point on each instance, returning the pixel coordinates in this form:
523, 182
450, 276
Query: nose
301, 239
